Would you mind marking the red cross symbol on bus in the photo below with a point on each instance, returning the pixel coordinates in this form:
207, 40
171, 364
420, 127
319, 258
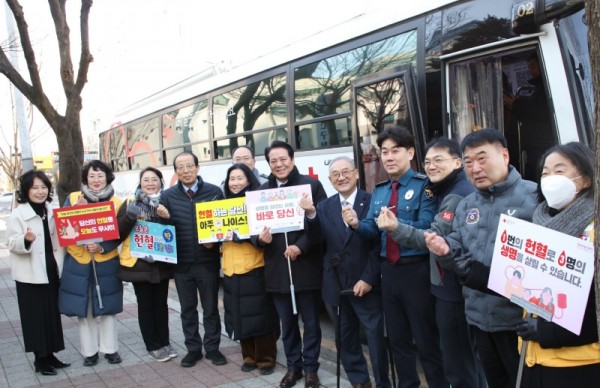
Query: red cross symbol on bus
312, 174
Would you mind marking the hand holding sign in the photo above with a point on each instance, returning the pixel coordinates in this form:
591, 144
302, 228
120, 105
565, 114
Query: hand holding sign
265, 236
292, 251
29, 235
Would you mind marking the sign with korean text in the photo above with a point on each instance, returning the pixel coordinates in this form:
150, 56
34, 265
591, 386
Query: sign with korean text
153, 239
219, 220
86, 223
546, 272
277, 209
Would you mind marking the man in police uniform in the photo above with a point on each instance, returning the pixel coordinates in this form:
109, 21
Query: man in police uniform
408, 305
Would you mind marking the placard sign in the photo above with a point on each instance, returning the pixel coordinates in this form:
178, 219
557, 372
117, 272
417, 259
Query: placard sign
219, 220
153, 239
84, 224
277, 209
546, 272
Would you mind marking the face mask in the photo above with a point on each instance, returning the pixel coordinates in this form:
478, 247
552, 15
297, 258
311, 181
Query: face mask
558, 190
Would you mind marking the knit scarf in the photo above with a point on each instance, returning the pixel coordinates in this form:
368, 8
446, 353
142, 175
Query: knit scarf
572, 220
97, 196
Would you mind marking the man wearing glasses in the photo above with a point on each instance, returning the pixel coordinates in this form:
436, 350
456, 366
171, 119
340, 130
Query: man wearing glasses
408, 305
245, 154
351, 264
198, 265
449, 184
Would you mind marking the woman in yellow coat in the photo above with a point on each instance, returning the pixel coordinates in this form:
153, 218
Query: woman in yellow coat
249, 312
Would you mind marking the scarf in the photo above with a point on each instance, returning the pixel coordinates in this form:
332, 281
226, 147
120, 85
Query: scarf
151, 200
97, 196
572, 220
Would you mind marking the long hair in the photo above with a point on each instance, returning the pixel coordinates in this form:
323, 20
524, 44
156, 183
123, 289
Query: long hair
26, 183
253, 182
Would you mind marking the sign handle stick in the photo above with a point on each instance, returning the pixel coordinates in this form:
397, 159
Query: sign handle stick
522, 361
289, 262
96, 281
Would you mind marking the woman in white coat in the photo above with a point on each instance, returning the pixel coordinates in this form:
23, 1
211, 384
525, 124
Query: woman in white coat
36, 265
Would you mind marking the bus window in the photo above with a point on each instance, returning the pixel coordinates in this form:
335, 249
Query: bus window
378, 105
507, 91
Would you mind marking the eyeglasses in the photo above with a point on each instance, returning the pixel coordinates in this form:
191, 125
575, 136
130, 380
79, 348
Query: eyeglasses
435, 162
242, 159
343, 173
185, 167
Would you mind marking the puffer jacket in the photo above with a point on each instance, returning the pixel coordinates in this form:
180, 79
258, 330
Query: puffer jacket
307, 269
472, 245
183, 216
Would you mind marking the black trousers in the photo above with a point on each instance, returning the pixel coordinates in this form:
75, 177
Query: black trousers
153, 313
499, 355
191, 280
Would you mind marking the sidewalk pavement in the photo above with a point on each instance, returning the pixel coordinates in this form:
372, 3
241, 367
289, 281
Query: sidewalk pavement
137, 369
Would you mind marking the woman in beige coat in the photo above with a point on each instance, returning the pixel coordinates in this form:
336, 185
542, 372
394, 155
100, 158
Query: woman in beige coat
36, 264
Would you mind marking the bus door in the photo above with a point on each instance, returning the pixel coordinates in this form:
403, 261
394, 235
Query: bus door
381, 100
520, 89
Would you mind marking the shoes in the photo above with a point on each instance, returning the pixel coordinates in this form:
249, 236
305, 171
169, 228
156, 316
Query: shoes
42, 365
113, 358
311, 380
91, 360
191, 359
266, 370
248, 367
172, 352
363, 385
56, 363
216, 357
290, 379
160, 355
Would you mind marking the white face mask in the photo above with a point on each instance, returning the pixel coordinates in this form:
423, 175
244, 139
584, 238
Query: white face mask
558, 190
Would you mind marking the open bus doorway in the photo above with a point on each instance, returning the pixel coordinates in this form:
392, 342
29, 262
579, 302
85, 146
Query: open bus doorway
507, 90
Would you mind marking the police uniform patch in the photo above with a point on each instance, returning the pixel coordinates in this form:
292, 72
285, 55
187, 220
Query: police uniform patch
409, 194
472, 216
429, 193
447, 216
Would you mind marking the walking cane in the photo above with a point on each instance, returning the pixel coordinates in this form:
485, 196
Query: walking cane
96, 281
289, 262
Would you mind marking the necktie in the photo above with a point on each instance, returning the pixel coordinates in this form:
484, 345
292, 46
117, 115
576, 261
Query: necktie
346, 203
392, 249
190, 193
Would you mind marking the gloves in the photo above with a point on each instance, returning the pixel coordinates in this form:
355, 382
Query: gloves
148, 259
528, 329
133, 211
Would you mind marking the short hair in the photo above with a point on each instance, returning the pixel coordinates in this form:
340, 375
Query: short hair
449, 145
26, 183
482, 137
252, 179
399, 135
97, 165
185, 153
577, 153
279, 144
157, 172
246, 147
346, 158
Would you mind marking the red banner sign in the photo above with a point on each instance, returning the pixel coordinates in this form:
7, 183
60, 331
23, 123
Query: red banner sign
86, 223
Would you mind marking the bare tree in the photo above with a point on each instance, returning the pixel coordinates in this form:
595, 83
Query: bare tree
67, 126
10, 160
593, 21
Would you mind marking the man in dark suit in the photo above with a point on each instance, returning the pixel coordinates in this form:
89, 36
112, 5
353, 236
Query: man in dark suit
350, 263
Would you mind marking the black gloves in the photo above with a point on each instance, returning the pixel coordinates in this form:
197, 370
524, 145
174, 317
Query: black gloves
133, 211
528, 329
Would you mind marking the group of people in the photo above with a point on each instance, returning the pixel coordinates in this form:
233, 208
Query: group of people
409, 261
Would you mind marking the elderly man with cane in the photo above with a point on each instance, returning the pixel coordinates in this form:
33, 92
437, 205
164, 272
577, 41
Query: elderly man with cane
351, 271
304, 259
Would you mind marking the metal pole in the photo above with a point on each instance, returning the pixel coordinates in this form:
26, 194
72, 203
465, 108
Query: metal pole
26, 155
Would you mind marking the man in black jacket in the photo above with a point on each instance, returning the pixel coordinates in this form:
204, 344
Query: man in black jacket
306, 262
198, 265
